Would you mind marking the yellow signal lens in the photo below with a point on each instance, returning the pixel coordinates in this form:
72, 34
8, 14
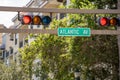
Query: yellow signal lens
113, 21
37, 20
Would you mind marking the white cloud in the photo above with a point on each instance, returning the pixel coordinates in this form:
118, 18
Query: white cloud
5, 17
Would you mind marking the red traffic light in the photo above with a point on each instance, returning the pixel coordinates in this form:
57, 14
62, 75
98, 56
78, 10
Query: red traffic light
103, 21
26, 19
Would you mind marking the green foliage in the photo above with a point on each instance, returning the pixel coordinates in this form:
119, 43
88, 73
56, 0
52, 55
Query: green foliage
82, 4
28, 55
12, 72
52, 54
101, 4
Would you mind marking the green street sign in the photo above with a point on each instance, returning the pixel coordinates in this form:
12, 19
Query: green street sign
74, 32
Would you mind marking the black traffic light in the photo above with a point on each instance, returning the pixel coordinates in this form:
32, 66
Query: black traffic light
35, 20
104, 21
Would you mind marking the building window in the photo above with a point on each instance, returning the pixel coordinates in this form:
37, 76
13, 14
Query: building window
15, 41
7, 53
31, 26
16, 37
4, 54
11, 37
38, 26
26, 41
21, 44
60, 15
1, 54
11, 50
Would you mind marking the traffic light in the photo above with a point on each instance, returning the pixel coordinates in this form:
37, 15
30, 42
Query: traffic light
35, 20
114, 21
46, 20
26, 19
104, 21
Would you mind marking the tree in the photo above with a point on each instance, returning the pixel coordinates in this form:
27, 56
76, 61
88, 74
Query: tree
12, 72
96, 49
28, 55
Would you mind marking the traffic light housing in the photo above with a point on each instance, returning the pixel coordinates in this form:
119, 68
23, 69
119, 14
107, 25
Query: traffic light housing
104, 21
35, 20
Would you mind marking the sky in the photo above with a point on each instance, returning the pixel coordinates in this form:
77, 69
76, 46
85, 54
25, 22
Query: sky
6, 17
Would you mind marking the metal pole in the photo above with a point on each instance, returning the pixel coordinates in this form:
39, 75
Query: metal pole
118, 28
51, 31
51, 10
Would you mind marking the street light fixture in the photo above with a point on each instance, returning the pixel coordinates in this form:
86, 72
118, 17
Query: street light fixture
77, 74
